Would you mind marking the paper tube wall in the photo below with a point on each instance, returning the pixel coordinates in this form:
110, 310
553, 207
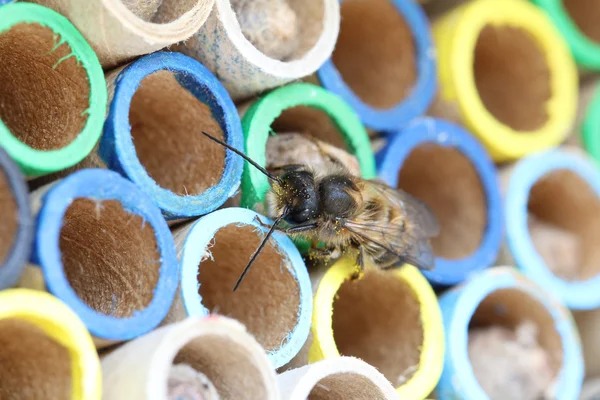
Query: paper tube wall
153, 134
274, 300
269, 44
217, 347
552, 211
105, 250
502, 297
507, 75
389, 319
576, 21
47, 352
300, 107
120, 30
590, 389
54, 103
336, 378
384, 62
16, 222
443, 165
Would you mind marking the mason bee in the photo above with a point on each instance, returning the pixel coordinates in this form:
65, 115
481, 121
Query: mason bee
386, 227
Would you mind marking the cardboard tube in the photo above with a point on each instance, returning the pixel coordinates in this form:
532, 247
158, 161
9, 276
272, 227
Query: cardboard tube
104, 249
120, 30
16, 223
53, 92
443, 165
273, 301
576, 22
46, 351
160, 105
336, 378
588, 322
244, 69
296, 108
502, 297
217, 347
552, 200
590, 130
587, 93
507, 75
384, 62
590, 389
390, 319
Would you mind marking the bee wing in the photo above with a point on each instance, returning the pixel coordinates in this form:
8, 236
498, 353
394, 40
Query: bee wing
423, 221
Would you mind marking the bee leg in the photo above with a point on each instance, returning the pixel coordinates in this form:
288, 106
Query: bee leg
360, 262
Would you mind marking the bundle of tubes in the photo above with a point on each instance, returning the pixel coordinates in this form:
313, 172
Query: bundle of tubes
300, 199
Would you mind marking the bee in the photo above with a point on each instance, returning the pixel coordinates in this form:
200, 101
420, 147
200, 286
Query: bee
385, 227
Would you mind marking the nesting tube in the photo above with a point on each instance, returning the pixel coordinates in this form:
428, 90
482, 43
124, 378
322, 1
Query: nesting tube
576, 21
590, 130
384, 62
256, 45
514, 314
47, 352
153, 134
16, 222
300, 107
217, 348
120, 30
105, 250
507, 75
335, 378
590, 389
390, 319
552, 208
588, 323
274, 300
443, 165
52, 91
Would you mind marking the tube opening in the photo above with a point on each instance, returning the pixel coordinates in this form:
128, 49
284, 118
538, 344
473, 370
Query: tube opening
564, 224
44, 96
344, 386
159, 11
512, 77
9, 218
284, 30
378, 320
32, 365
230, 367
449, 184
166, 122
309, 121
110, 257
375, 52
267, 301
585, 14
514, 347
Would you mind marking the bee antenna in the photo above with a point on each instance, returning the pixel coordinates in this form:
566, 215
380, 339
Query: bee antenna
257, 252
245, 157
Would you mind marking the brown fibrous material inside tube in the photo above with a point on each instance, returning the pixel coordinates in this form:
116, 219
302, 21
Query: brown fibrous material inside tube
512, 77
375, 52
166, 126
44, 90
281, 29
33, 366
585, 14
268, 299
110, 257
378, 319
448, 183
159, 11
227, 364
9, 219
514, 347
310, 121
565, 224
347, 385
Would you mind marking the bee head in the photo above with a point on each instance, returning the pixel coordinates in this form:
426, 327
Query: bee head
299, 195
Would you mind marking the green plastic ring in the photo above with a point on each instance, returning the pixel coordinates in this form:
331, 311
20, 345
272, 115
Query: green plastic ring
591, 127
257, 121
37, 162
585, 51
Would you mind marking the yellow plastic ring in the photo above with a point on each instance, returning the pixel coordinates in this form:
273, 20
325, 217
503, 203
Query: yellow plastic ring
61, 324
426, 377
456, 35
